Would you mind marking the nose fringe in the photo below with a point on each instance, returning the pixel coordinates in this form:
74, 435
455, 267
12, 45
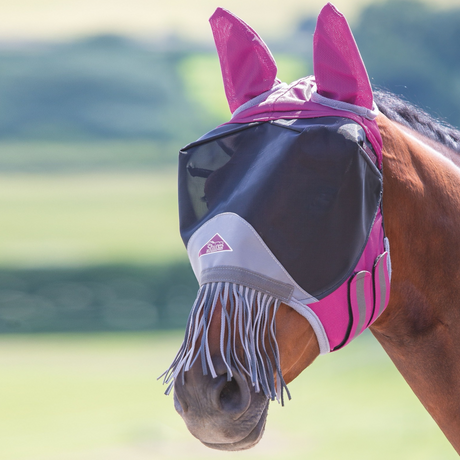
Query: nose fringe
247, 340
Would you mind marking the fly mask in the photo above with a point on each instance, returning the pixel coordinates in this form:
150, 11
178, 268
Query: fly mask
284, 204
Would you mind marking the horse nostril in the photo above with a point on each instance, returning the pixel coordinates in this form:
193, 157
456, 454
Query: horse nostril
230, 396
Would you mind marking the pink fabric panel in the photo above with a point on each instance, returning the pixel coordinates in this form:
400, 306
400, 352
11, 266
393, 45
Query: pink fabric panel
338, 67
331, 311
332, 314
374, 245
248, 67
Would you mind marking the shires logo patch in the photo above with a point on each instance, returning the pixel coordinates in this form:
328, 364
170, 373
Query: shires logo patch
215, 244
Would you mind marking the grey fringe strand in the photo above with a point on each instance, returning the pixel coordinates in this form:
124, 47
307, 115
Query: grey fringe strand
248, 321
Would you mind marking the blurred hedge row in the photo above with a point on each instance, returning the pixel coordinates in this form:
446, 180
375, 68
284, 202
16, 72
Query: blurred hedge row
96, 299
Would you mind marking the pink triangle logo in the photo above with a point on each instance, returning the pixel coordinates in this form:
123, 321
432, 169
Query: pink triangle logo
215, 244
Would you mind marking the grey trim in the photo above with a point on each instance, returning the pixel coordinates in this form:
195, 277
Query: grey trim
386, 245
260, 98
383, 286
248, 278
370, 114
361, 299
315, 323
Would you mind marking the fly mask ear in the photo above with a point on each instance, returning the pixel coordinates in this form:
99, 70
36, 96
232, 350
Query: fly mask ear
248, 67
339, 70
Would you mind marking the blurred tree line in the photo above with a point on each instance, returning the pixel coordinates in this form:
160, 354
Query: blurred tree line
412, 49
103, 87
110, 88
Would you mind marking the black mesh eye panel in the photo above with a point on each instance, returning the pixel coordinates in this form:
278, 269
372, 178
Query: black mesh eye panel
205, 160
242, 182
202, 160
308, 189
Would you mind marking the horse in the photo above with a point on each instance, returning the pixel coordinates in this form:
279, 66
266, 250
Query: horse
220, 400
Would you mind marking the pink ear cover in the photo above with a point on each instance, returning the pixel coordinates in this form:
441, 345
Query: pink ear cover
339, 70
248, 67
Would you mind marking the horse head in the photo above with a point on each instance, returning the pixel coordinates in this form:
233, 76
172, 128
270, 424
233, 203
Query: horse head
281, 215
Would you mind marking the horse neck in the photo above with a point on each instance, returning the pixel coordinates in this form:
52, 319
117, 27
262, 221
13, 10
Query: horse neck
421, 325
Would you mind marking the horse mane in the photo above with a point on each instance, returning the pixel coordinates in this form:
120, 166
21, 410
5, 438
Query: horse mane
401, 111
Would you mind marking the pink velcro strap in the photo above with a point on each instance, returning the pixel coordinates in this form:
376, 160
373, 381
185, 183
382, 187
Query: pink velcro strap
381, 285
361, 302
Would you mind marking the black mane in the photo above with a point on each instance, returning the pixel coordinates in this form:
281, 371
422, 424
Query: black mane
415, 118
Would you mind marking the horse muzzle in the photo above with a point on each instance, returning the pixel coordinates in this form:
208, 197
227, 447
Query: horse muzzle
223, 414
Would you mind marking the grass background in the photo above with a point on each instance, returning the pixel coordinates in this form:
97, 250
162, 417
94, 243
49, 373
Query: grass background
95, 397
89, 219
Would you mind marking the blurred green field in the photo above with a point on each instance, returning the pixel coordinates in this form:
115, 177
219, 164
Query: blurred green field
44, 157
95, 397
89, 219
